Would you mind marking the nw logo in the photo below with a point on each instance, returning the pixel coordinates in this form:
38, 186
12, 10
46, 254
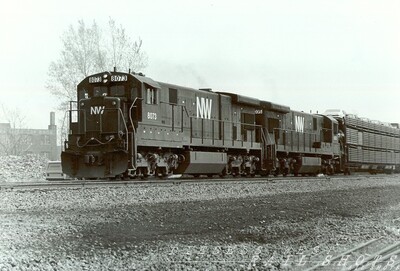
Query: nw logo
203, 108
299, 124
97, 110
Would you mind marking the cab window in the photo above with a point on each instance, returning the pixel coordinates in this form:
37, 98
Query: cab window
99, 91
83, 94
117, 91
151, 95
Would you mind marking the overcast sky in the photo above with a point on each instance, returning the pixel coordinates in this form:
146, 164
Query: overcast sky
309, 55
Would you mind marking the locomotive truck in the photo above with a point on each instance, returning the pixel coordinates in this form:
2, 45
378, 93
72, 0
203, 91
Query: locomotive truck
126, 125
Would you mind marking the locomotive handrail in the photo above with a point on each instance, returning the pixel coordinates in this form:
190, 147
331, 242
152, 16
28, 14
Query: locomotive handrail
174, 104
69, 124
70, 119
93, 139
70, 104
264, 137
120, 115
133, 161
291, 130
183, 107
63, 135
289, 138
264, 151
130, 112
201, 130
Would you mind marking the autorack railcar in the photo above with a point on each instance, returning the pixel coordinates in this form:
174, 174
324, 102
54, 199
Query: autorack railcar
370, 146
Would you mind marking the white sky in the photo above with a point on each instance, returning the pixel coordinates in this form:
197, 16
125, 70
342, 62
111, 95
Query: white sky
309, 55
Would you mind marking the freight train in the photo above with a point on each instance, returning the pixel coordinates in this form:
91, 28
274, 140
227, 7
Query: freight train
126, 125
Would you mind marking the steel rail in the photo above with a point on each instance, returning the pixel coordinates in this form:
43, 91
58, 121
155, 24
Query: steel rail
180, 180
345, 253
383, 255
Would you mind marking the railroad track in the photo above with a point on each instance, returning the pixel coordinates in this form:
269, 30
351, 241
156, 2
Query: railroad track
88, 183
176, 180
376, 254
80, 183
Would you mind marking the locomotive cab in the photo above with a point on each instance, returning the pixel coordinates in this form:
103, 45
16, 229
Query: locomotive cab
101, 126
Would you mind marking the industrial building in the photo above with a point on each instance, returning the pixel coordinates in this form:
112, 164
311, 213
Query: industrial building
20, 141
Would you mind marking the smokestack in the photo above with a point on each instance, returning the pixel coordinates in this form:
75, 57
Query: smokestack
52, 121
52, 118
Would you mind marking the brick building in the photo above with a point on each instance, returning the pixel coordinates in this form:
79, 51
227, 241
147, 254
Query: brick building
14, 141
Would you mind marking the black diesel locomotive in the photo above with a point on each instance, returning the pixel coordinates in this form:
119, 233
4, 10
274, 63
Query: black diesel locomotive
127, 125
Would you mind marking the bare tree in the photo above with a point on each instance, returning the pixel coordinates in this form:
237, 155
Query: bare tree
13, 137
125, 54
86, 50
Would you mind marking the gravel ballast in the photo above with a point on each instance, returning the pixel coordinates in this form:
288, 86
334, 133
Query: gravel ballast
26, 168
278, 224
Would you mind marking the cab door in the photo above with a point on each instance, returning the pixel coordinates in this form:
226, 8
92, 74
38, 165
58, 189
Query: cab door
151, 110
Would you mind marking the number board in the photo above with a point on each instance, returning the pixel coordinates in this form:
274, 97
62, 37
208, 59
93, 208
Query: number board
114, 78
119, 78
94, 79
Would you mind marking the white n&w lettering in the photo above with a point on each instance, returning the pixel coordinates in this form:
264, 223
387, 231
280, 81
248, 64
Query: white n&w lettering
97, 110
299, 124
204, 106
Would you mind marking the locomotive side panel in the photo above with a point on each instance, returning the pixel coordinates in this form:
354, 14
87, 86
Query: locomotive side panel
192, 125
300, 133
246, 127
226, 122
307, 144
204, 112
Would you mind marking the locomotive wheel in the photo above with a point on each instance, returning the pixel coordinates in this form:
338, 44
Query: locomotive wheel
115, 178
164, 172
223, 173
248, 173
330, 170
125, 176
285, 172
161, 172
157, 173
143, 173
235, 172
